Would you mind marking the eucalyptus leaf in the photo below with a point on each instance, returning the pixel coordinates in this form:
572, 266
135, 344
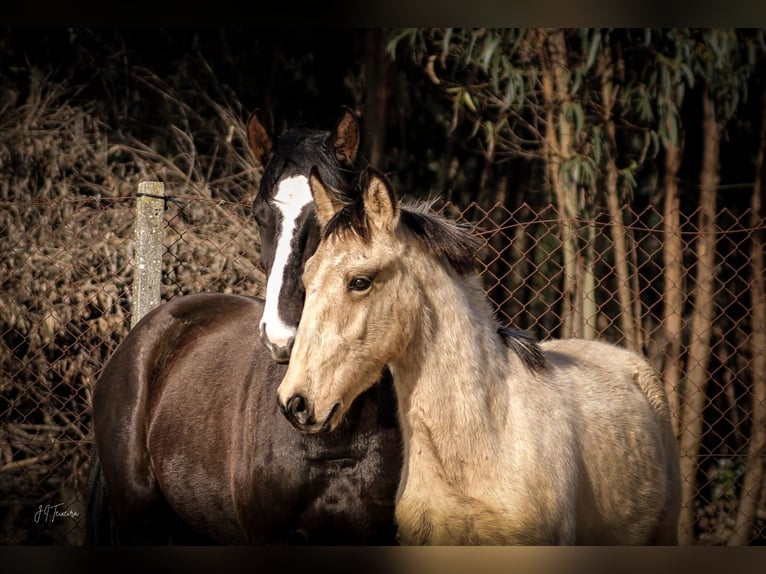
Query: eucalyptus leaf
594, 46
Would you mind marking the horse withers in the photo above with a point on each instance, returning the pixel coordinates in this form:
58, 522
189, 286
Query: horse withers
189, 444
507, 441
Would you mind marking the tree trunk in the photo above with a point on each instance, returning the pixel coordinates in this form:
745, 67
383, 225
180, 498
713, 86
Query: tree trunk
521, 271
617, 226
754, 472
673, 291
621, 262
702, 320
377, 63
589, 303
557, 148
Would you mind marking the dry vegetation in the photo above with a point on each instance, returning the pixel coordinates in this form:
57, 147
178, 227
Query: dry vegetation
67, 197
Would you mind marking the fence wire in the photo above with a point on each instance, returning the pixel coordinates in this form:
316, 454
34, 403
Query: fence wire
65, 304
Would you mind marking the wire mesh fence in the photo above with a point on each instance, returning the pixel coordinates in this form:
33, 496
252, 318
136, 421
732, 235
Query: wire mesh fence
65, 304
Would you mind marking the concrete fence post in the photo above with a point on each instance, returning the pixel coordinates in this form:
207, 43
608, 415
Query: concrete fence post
147, 258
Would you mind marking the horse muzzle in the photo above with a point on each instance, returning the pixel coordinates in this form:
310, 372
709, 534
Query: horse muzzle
280, 351
300, 412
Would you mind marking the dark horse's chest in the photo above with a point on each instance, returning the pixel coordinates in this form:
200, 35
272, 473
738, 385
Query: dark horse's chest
336, 488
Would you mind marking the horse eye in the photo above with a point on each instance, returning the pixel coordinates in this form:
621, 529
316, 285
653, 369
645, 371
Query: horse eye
360, 284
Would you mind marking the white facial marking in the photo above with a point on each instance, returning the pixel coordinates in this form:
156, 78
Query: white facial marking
292, 196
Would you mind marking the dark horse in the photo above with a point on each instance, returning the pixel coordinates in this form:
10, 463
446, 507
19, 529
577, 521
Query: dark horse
190, 446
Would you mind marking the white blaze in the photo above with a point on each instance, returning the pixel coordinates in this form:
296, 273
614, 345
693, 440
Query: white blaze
292, 196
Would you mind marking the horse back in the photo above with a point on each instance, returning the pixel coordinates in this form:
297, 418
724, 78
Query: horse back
630, 490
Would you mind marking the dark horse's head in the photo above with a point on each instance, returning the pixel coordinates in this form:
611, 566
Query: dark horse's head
284, 212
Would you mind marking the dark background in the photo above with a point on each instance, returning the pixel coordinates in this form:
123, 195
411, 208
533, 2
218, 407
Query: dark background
300, 76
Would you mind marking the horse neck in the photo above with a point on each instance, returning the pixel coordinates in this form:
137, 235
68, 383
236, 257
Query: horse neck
451, 380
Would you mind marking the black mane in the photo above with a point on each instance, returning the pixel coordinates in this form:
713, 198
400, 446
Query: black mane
440, 235
295, 152
525, 345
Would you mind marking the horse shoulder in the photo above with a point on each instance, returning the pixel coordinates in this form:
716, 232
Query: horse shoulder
491, 503
202, 396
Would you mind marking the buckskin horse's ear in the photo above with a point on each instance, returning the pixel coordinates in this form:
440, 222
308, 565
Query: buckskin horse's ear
326, 205
259, 139
345, 137
380, 205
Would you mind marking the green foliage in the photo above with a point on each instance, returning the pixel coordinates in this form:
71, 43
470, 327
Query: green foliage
573, 113
411, 37
493, 80
725, 476
725, 58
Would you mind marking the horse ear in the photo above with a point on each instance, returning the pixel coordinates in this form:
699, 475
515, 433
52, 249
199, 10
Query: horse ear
326, 205
345, 137
380, 205
259, 139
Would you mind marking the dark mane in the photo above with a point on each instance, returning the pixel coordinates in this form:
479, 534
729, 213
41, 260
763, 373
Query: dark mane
524, 344
441, 236
295, 152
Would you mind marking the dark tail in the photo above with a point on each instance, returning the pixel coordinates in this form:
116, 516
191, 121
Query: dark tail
100, 528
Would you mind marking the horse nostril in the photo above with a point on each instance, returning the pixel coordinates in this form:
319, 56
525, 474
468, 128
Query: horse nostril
297, 404
298, 410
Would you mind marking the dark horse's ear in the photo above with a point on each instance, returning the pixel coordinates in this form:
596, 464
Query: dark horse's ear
380, 205
344, 139
326, 205
259, 139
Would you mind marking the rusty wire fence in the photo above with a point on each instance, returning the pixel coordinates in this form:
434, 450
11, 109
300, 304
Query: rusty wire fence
65, 304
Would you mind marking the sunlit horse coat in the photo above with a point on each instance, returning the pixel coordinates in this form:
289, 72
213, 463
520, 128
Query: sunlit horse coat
506, 441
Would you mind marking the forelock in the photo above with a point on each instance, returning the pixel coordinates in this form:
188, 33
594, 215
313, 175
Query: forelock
295, 152
349, 221
439, 235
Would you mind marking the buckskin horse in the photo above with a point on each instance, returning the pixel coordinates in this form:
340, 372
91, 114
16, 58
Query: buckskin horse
507, 440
